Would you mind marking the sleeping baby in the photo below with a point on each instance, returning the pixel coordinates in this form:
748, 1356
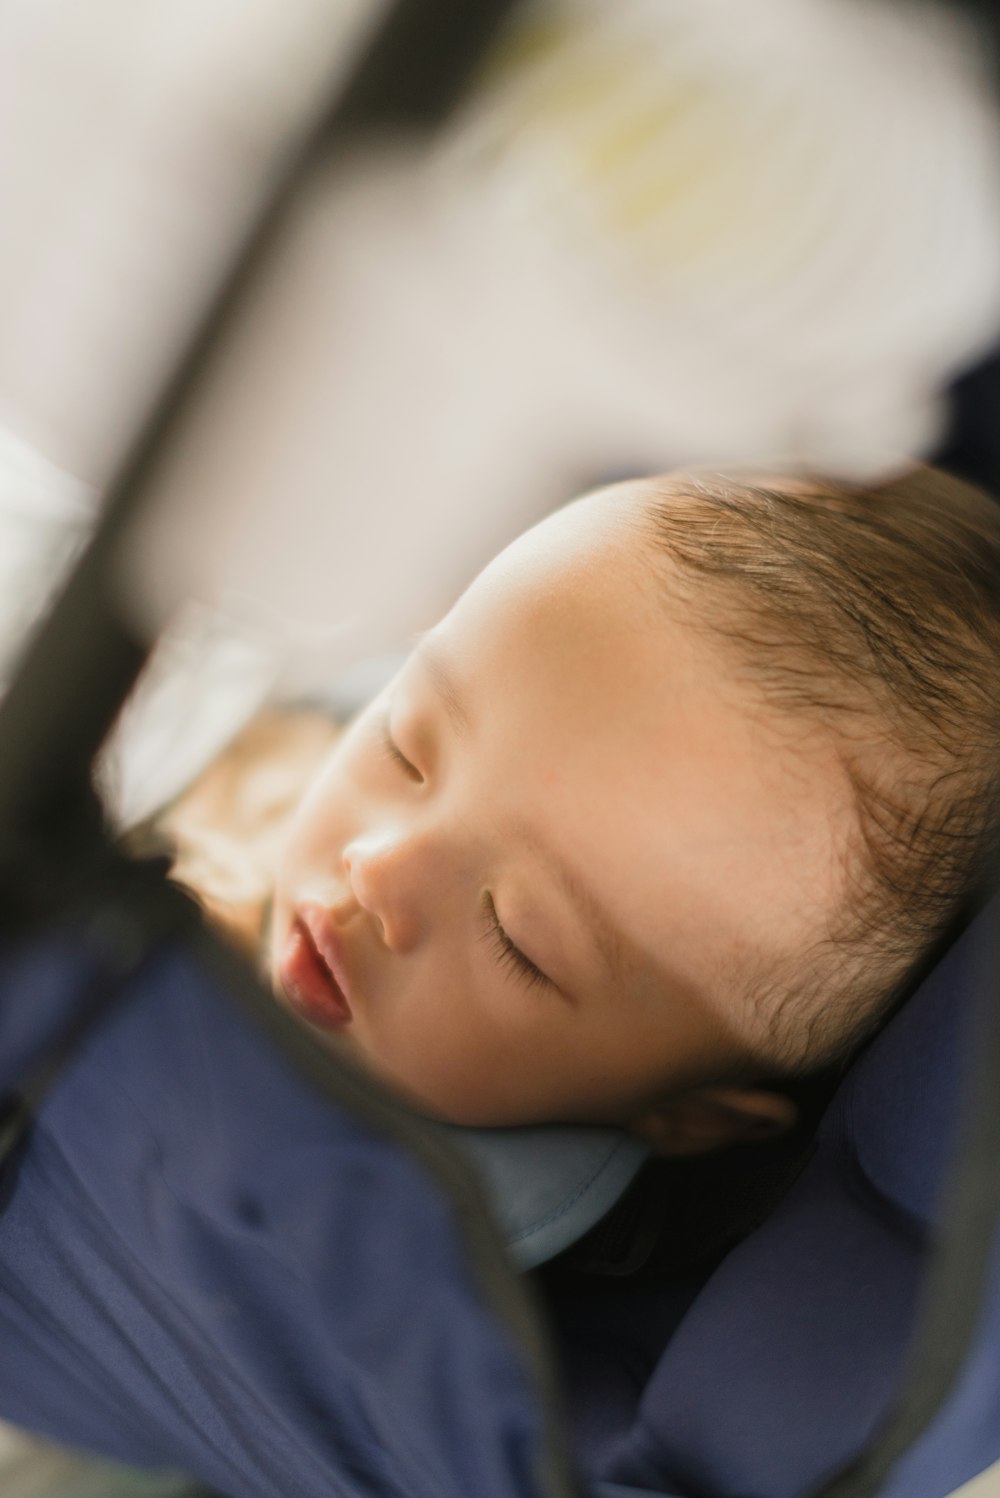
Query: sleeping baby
663, 814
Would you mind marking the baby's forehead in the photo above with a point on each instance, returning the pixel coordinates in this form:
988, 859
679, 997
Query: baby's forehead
590, 598
617, 731
595, 555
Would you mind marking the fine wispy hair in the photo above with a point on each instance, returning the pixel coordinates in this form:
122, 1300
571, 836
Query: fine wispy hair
875, 614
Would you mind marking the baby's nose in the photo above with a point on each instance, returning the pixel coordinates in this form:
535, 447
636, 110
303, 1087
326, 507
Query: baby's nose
387, 875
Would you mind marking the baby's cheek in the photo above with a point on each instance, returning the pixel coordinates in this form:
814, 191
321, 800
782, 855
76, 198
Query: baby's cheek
311, 825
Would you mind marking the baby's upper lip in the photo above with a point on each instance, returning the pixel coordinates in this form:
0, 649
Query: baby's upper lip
329, 943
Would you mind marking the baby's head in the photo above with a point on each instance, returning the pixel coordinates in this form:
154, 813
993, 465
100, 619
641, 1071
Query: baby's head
669, 805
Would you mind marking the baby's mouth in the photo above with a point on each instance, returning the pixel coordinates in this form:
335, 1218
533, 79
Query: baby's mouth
307, 980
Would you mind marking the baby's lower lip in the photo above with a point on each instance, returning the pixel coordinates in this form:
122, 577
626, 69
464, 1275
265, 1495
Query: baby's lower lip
308, 985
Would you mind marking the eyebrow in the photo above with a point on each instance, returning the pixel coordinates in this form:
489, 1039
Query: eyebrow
608, 940
443, 682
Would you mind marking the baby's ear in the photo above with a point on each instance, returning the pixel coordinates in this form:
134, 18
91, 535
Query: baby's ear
711, 1117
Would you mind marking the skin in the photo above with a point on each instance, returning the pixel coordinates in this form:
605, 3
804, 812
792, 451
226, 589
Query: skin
564, 716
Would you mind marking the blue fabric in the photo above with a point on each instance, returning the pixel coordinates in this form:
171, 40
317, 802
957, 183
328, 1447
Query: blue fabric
44, 985
790, 1355
205, 1266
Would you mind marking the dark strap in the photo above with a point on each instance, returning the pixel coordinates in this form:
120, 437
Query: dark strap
124, 906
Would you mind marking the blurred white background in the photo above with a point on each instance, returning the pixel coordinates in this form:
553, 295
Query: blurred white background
659, 232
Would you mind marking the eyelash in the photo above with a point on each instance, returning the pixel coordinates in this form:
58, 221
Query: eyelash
507, 955
393, 752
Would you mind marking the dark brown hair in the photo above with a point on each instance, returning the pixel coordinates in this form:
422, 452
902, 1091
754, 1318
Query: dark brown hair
876, 613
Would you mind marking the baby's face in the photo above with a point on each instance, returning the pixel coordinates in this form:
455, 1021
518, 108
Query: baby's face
545, 861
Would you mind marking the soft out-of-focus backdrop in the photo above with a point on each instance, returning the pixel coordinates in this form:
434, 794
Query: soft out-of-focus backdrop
658, 232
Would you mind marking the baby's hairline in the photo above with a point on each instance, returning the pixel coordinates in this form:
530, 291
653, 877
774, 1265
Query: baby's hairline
889, 745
